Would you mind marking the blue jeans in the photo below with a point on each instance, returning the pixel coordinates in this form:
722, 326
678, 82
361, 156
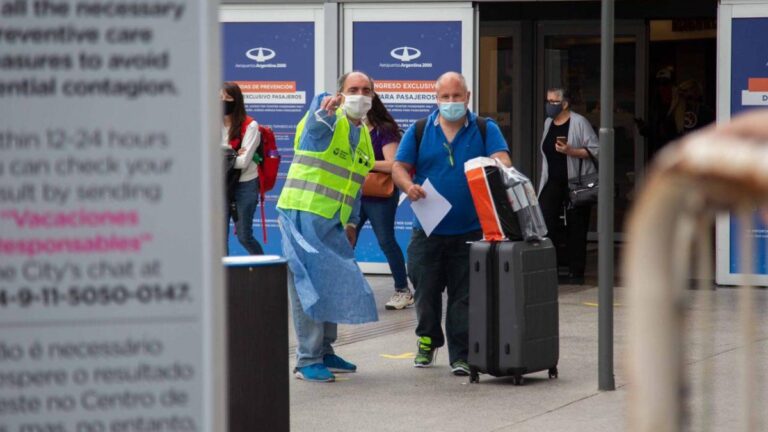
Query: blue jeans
247, 199
381, 213
314, 338
438, 263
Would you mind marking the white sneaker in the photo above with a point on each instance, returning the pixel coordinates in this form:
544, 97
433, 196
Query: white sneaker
399, 300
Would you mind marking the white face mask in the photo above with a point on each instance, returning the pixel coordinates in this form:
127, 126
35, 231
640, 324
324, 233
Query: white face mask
357, 106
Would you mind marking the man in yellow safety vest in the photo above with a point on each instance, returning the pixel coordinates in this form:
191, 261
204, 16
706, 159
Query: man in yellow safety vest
318, 212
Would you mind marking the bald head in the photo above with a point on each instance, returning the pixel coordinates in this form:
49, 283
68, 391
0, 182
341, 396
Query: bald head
451, 78
355, 82
452, 87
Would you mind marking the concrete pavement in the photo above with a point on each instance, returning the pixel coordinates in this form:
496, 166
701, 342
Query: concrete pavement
388, 394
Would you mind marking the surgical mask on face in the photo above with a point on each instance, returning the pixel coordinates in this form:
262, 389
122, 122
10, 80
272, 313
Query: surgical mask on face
554, 110
452, 111
357, 106
229, 107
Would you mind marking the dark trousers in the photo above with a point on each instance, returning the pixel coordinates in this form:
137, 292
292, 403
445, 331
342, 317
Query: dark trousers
247, 199
569, 237
438, 263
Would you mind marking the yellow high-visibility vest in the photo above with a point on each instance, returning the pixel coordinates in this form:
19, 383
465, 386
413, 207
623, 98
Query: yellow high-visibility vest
326, 182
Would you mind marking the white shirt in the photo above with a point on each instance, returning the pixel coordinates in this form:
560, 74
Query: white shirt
250, 142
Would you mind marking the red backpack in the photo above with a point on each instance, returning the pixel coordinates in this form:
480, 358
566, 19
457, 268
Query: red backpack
268, 165
267, 160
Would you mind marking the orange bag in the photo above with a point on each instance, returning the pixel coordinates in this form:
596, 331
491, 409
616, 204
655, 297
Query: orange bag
378, 185
489, 193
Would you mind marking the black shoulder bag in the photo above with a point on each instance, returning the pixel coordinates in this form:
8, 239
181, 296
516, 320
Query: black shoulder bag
582, 190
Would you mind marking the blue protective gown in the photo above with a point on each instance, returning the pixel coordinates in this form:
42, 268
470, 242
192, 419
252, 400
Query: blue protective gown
329, 282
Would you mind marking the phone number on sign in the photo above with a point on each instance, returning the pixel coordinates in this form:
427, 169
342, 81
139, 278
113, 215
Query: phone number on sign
102, 295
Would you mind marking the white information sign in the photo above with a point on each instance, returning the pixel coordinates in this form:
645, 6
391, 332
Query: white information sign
111, 294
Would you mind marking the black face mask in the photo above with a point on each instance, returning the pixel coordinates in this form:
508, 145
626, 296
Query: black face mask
229, 107
553, 110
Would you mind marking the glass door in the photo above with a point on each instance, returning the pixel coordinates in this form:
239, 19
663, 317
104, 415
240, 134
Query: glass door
498, 86
568, 55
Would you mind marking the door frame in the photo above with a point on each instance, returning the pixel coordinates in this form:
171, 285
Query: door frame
636, 28
522, 154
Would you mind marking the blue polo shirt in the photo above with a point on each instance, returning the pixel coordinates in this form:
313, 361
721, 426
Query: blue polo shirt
433, 162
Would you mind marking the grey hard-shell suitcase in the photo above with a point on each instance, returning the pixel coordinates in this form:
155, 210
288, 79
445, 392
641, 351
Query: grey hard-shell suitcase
513, 311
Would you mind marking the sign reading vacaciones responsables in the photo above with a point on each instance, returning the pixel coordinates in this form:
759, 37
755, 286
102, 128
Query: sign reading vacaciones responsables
110, 296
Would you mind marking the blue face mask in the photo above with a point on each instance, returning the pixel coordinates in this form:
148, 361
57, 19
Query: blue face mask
452, 111
554, 110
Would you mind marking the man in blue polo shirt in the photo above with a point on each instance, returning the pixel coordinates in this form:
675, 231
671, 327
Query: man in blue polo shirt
441, 261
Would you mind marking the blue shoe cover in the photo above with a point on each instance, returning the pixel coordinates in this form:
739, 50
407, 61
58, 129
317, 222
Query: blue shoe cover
314, 372
337, 364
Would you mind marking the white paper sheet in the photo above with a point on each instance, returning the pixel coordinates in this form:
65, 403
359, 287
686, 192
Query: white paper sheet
432, 209
403, 197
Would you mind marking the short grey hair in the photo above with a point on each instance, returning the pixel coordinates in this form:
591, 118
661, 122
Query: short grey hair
562, 92
343, 79
455, 75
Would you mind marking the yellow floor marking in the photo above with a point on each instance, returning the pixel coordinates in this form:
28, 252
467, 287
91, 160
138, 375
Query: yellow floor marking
403, 356
596, 305
338, 378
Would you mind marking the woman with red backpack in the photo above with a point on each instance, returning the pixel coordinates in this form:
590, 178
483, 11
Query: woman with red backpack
240, 133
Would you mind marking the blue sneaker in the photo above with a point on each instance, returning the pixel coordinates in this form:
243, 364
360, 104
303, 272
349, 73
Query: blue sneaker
314, 372
337, 364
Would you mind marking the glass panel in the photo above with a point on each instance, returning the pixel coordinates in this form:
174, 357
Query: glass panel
679, 60
496, 75
574, 62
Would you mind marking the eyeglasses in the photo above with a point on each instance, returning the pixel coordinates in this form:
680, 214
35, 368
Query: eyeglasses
450, 153
554, 102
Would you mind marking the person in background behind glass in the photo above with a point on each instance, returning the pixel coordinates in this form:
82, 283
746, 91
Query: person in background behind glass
688, 112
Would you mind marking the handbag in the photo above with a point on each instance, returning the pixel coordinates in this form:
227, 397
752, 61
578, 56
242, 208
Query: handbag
583, 190
378, 185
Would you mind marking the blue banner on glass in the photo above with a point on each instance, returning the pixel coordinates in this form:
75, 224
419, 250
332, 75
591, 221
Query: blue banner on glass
749, 90
404, 59
274, 64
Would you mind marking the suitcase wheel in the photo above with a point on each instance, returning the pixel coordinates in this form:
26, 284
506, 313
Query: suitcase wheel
474, 375
517, 379
553, 373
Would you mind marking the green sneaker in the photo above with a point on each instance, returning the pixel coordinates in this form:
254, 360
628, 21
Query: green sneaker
460, 368
426, 355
